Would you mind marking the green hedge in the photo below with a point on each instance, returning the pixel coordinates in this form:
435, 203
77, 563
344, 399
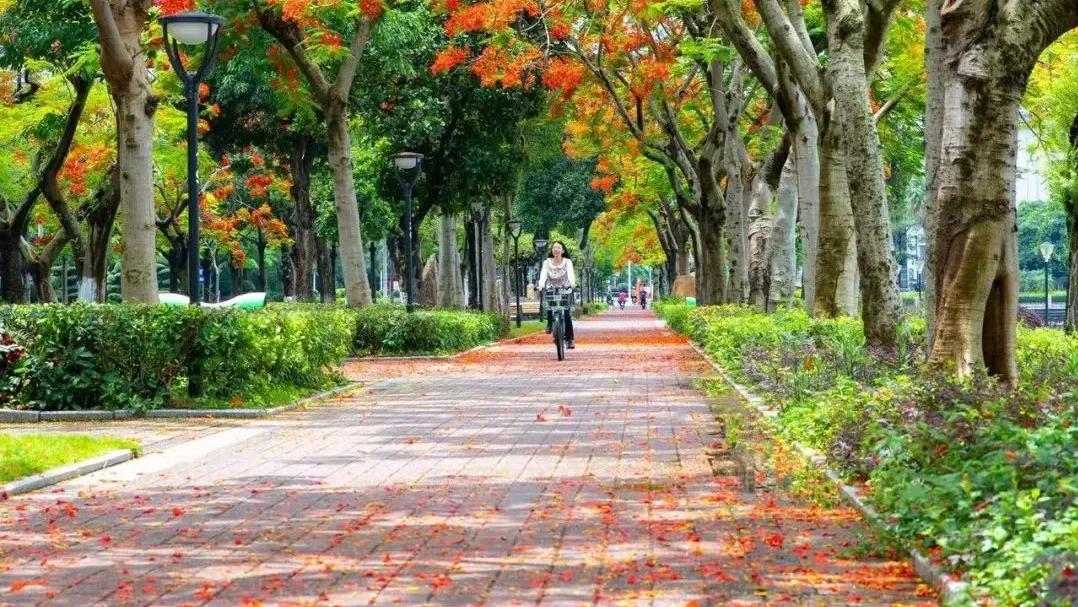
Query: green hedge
84, 356
112, 356
985, 477
385, 329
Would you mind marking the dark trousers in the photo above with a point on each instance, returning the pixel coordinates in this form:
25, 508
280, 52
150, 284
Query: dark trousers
568, 323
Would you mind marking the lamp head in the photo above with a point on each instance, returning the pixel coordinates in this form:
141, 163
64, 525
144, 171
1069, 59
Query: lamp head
1046, 250
540, 244
516, 227
406, 161
193, 28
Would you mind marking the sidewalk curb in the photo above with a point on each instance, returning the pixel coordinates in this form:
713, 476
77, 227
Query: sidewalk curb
64, 473
16, 416
948, 588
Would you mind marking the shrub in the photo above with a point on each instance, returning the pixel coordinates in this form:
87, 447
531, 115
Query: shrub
387, 329
982, 476
108, 357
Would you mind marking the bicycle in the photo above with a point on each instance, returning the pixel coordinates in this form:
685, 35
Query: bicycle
559, 302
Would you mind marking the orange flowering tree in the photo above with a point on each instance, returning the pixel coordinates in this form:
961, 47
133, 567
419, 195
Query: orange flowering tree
653, 71
319, 48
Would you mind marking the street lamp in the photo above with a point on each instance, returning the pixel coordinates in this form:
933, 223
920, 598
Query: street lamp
408, 166
515, 228
477, 219
1046, 253
192, 29
539, 244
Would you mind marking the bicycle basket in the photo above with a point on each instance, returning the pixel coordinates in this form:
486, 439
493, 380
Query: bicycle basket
559, 299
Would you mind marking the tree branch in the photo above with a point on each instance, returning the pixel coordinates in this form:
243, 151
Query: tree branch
116, 62
803, 65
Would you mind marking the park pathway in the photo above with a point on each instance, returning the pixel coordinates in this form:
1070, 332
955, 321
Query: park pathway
499, 478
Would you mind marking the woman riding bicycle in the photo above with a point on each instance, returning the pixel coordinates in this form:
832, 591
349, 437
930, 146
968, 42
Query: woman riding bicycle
557, 273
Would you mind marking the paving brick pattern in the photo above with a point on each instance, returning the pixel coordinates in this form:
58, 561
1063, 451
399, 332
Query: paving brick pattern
500, 478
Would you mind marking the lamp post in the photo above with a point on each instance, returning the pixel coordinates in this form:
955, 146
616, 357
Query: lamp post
1046, 253
539, 245
515, 228
408, 166
477, 219
192, 29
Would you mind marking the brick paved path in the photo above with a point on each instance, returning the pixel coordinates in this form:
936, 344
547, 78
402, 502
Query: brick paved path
501, 478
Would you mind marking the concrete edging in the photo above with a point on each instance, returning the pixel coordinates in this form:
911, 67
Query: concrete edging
63, 473
949, 588
16, 416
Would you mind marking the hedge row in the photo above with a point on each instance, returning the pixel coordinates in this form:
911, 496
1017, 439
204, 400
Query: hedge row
387, 329
111, 356
983, 477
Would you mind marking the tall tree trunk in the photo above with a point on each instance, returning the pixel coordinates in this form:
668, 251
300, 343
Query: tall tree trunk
14, 286
711, 264
93, 270
469, 261
783, 239
880, 303
261, 246
836, 262
934, 70
1070, 203
287, 272
120, 26
807, 155
490, 272
327, 287
353, 264
450, 291
303, 218
736, 234
989, 53
759, 234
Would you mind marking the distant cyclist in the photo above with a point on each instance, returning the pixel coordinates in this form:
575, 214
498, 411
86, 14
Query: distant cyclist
557, 273
643, 299
622, 296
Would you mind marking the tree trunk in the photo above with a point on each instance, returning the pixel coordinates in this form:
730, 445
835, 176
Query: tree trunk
327, 287
490, 272
759, 236
880, 303
261, 246
121, 26
989, 53
353, 265
287, 272
782, 242
976, 248
737, 235
303, 219
1070, 203
41, 273
711, 265
807, 155
836, 267
95, 263
14, 286
450, 291
934, 70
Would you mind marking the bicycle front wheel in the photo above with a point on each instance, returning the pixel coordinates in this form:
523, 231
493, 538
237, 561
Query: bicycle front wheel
559, 339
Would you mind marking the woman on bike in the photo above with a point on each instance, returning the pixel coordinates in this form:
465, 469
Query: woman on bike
557, 273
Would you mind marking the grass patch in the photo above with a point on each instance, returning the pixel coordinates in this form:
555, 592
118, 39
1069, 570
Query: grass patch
29, 454
526, 328
262, 397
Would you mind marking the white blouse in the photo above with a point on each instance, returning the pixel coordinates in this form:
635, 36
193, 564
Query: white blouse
557, 276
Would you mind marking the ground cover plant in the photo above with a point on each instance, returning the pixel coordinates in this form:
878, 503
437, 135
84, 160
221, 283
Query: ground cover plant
29, 454
91, 356
981, 477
